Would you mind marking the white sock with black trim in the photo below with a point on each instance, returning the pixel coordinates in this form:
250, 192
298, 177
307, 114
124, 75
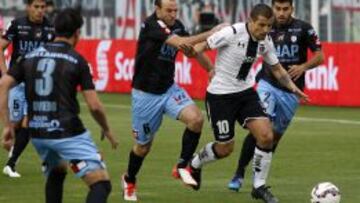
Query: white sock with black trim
261, 166
206, 155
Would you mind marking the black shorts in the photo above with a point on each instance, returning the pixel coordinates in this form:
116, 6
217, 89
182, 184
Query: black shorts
224, 110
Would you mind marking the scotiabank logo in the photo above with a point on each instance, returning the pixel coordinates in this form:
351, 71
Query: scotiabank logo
102, 64
183, 71
124, 67
324, 77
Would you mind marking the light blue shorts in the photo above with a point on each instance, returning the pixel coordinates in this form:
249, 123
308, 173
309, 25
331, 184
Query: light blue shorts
279, 105
17, 103
80, 151
148, 110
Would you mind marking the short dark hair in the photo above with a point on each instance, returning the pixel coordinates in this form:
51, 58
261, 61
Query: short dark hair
29, 2
157, 3
282, 1
67, 22
261, 10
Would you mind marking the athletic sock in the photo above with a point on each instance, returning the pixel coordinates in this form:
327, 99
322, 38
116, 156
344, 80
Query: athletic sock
99, 192
206, 155
261, 166
134, 166
247, 153
22, 138
54, 186
190, 141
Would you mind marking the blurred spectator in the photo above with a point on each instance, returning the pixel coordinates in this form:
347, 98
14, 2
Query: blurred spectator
51, 11
2, 26
206, 17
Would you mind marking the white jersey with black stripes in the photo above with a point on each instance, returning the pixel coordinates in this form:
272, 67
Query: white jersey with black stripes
237, 52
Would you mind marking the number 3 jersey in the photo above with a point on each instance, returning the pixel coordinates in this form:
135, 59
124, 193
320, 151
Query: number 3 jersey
52, 75
237, 51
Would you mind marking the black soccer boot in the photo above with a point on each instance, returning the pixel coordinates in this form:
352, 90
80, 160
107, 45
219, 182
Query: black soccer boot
264, 193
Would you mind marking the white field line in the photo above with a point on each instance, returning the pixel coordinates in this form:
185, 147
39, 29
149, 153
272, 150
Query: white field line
301, 119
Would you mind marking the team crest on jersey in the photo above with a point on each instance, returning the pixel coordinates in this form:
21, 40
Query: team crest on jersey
293, 38
38, 33
280, 38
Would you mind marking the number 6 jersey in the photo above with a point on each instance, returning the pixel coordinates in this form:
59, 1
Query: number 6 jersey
237, 52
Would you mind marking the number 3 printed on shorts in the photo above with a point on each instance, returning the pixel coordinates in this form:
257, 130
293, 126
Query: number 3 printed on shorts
223, 126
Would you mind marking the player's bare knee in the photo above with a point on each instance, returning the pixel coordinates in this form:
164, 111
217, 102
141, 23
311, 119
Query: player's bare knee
265, 139
62, 168
196, 123
142, 150
96, 176
224, 149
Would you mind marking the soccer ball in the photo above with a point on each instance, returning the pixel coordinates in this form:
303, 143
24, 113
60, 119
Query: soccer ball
325, 192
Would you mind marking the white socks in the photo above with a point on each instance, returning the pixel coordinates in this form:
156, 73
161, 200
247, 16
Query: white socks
261, 166
206, 155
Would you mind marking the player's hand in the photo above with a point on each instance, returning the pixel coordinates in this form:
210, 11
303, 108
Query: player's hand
296, 71
7, 138
301, 95
108, 134
188, 50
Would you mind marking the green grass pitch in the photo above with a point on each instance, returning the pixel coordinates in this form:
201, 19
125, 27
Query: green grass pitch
322, 144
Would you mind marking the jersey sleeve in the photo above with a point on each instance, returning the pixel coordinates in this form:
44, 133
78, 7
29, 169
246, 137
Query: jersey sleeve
269, 55
86, 82
221, 38
311, 38
10, 31
156, 30
184, 32
17, 70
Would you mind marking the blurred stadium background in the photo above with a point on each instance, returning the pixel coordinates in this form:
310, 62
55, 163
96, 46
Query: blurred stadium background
321, 144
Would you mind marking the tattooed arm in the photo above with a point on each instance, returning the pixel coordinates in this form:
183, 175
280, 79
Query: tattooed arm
285, 80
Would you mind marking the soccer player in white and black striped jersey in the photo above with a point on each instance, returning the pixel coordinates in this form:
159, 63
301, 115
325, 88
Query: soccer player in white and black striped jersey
230, 96
292, 38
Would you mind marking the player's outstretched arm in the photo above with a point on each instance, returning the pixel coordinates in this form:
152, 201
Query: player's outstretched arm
98, 113
3, 45
8, 133
296, 71
205, 62
284, 79
177, 41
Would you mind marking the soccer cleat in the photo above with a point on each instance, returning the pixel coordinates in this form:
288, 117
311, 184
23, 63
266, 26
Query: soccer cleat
196, 175
175, 173
236, 183
11, 172
264, 193
129, 190
185, 175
